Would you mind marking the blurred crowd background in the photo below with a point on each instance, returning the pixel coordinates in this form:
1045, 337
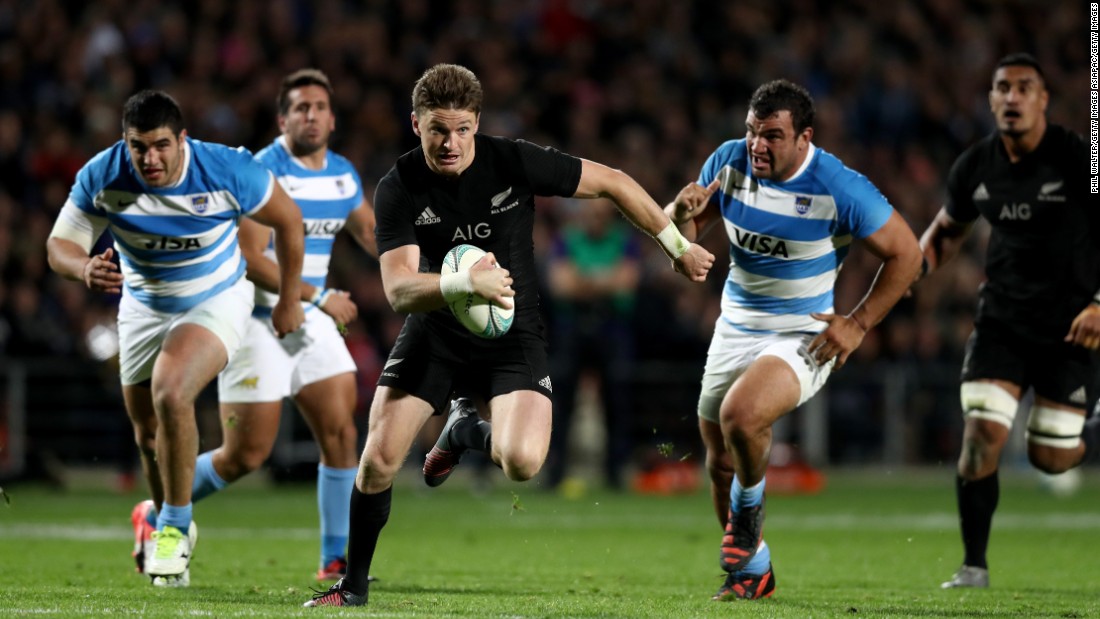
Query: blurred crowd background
647, 86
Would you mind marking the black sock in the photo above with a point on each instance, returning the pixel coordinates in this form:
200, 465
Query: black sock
473, 433
977, 502
1090, 436
369, 513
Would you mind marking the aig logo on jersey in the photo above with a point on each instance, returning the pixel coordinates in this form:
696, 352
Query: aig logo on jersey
1015, 212
469, 233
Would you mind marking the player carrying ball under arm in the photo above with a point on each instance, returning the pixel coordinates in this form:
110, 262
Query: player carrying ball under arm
461, 187
791, 210
1039, 309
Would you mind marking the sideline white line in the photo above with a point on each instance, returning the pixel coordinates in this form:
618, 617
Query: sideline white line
940, 521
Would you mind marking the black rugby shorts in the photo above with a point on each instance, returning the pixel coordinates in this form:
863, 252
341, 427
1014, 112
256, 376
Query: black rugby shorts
1056, 369
431, 361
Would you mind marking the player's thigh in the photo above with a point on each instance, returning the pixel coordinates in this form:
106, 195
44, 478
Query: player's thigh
396, 417
201, 341
766, 391
730, 353
522, 422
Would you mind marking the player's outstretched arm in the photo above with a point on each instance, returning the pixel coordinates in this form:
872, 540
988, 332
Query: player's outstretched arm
895, 244
283, 216
600, 181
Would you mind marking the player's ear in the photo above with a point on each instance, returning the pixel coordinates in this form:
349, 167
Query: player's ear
415, 123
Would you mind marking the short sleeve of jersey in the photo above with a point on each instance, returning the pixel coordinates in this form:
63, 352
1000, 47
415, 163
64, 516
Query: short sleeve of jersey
550, 171
861, 208
392, 205
720, 158
960, 203
253, 182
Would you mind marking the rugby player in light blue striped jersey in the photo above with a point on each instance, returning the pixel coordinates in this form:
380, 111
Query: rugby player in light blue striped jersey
791, 211
173, 206
312, 366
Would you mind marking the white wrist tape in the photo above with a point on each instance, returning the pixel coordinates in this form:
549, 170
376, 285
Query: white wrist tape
672, 241
455, 286
320, 295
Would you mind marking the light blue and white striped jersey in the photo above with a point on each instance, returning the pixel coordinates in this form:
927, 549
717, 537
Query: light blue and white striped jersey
788, 239
177, 245
326, 197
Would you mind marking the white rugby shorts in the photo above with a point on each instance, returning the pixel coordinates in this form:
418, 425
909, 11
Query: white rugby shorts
267, 369
141, 329
732, 352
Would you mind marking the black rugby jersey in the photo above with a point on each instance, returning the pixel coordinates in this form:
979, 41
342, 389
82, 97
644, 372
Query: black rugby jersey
491, 205
1043, 260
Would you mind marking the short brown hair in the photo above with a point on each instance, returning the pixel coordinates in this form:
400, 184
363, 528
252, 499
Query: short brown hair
447, 87
301, 77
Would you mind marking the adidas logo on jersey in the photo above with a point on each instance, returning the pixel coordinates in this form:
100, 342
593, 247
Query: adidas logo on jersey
1078, 396
427, 217
981, 193
545, 384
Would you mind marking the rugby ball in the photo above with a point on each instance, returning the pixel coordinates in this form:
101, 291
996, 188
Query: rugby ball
473, 311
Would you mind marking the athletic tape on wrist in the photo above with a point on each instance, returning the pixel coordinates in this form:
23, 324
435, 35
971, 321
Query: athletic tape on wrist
455, 286
320, 295
672, 241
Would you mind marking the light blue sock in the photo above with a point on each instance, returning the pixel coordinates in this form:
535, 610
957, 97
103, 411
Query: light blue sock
207, 481
759, 563
178, 516
334, 503
745, 497
151, 517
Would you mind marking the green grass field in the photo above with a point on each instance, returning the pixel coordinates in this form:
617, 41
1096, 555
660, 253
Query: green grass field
874, 544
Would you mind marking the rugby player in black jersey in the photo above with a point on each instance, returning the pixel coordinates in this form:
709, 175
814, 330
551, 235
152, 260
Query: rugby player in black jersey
1039, 310
461, 187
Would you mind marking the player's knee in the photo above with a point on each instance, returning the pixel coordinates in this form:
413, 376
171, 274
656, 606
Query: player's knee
169, 398
1053, 437
241, 461
520, 465
1050, 460
378, 467
743, 422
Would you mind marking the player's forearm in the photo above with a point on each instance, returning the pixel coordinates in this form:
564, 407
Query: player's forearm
265, 274
414, 292
942, 240
289, 250
891, 282
66, 258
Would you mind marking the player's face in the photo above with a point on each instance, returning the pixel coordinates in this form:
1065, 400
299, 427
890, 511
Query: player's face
157, 155
1018, 100
309, 120
775, 149
448, 139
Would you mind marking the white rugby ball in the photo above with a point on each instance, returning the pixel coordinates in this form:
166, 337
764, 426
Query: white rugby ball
473, 311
